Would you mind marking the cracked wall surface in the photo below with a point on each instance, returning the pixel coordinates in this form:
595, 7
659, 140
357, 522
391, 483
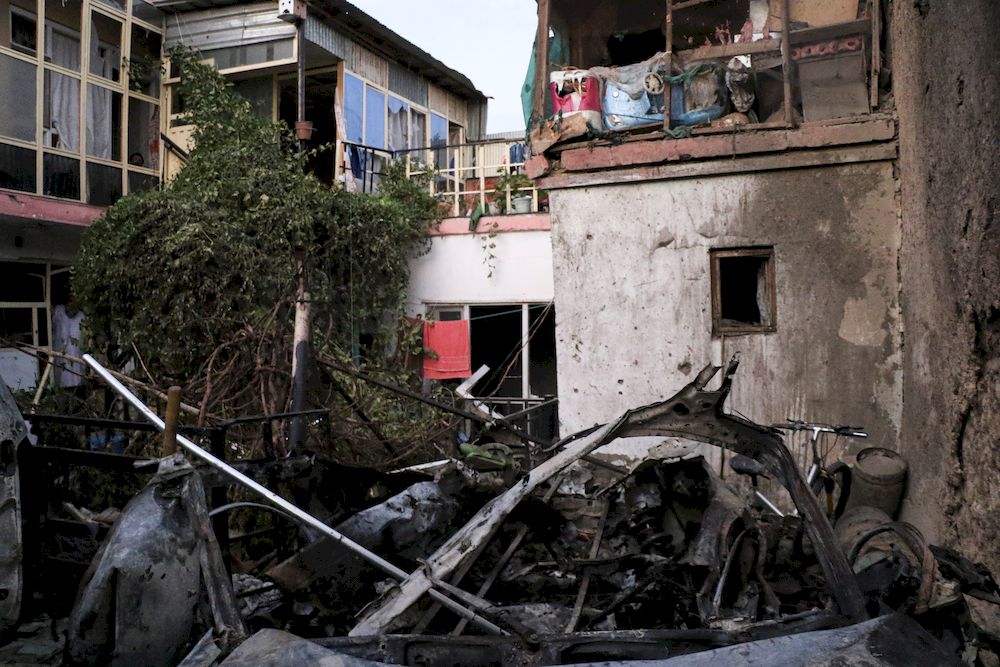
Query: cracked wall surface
944, 59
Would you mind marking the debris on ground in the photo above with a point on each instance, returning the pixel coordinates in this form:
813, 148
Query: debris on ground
514, 553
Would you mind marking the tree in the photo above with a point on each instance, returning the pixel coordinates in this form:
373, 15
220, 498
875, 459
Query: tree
197, 279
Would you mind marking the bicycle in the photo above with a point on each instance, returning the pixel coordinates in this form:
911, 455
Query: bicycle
819, 477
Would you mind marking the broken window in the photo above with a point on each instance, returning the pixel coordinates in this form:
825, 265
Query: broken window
743, 291
399, 124
418, 135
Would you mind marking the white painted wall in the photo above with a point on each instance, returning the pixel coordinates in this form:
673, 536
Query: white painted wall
455, 270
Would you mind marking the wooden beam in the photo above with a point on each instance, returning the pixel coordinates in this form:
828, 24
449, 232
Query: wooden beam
541, 62
723, 166
786, 61
730, 50
728, 145
828, 32
668, 30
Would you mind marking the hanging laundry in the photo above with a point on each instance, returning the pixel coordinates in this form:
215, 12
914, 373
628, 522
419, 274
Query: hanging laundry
449, 342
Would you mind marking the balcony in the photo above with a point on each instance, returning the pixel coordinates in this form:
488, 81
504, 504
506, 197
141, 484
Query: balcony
690, 70
484, 176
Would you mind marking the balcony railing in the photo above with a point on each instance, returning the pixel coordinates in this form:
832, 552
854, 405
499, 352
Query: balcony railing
488, 176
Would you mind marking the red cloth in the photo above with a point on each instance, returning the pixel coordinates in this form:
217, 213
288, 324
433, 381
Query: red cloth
450, 342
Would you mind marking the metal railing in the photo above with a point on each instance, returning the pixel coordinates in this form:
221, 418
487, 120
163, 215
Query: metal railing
363, 165
488, 175
537, 416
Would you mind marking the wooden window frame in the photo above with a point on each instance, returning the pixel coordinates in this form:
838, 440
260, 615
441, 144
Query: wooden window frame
764, 252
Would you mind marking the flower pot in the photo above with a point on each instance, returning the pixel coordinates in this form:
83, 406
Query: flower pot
303, 130
521, 204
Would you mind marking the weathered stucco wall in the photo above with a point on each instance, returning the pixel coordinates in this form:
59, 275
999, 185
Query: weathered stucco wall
456, 270
633, 294
944, 60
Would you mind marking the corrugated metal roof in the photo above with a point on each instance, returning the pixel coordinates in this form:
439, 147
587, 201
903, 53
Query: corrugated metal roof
367, 31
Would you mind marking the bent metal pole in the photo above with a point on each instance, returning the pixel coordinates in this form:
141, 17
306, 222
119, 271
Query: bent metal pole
281, 503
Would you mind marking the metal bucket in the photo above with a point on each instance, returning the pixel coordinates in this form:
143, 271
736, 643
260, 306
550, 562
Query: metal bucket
878, 478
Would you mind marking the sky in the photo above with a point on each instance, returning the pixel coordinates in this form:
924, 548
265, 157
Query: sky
487, 40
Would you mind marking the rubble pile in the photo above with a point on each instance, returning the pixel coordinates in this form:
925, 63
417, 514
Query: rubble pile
490, 561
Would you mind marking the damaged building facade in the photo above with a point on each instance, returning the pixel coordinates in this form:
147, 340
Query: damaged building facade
77, 130
775, 207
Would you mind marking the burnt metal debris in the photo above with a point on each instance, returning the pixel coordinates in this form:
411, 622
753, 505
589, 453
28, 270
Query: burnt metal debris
517, 553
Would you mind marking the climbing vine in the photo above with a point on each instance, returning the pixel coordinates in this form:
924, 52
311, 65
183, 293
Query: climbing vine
196, 281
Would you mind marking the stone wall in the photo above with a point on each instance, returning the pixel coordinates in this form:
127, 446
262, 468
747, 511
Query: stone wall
945, 81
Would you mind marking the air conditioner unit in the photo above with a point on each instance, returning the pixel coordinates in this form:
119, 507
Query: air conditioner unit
291, 10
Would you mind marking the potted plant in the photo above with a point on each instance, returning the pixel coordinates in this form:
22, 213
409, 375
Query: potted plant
513, 183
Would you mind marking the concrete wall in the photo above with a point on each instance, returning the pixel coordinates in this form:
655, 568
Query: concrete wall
455, 270
633, 302
944, 58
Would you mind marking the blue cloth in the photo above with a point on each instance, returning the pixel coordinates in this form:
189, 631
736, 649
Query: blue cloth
516, 153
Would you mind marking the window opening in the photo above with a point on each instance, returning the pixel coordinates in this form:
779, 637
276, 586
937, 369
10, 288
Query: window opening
104, 184
144, 62
743, 299
18, 101
143, 134
105, 47
62, 33
61, 176
374, 118
104, 123
61, 117
399, 125
17, 168
23, 30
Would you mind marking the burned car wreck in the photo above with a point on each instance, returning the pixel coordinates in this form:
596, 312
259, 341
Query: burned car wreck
488, 560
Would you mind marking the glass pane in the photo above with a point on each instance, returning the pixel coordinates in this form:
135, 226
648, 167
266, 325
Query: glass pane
23, 27
354, 92
399, 125
105, 47
17, 168
61, 176
374, 118
141, 9
117, 4
62, 33
141, 182
143, 134
17, 103
104, 123
144, 62
259, 92
104, 184
250, 54
61, 116
439, 137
